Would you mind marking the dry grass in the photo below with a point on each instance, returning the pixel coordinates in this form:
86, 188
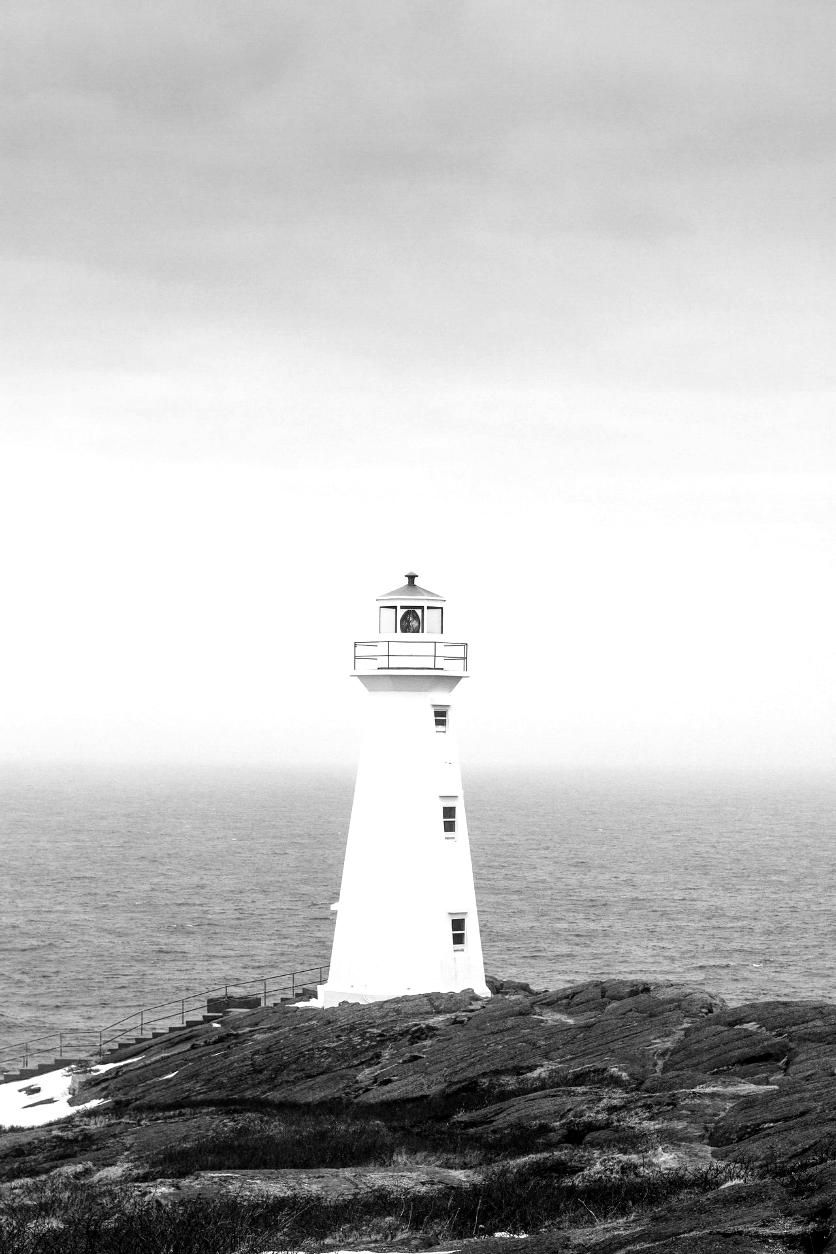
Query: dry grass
65, 1216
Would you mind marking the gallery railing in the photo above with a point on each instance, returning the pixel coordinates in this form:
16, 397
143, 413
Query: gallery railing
414, 655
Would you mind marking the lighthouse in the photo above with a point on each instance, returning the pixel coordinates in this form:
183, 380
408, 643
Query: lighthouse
406, 919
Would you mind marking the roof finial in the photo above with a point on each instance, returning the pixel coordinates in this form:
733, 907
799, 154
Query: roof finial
410, 578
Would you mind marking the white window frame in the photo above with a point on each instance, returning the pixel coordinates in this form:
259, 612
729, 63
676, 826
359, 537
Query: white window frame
445, 710
460, 915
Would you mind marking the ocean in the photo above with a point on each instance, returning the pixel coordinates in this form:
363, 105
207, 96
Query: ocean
126, 888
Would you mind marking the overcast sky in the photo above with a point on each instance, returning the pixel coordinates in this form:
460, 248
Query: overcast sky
536, 299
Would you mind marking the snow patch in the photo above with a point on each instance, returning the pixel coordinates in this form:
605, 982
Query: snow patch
101, 1067
22, 1109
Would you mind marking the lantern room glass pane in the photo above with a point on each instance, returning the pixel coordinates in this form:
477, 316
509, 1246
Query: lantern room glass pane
388, 620
412, 618
435, 619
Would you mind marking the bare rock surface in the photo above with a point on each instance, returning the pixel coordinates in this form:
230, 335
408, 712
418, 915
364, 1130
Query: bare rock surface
319, 1182
620, 1114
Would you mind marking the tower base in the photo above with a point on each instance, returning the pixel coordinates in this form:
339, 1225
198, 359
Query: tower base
326, 996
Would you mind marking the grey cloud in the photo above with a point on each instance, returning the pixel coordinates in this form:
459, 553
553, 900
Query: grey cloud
475, 186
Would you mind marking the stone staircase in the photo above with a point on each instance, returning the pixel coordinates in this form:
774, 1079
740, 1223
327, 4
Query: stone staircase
217, 1008
29, 1073
109, 1052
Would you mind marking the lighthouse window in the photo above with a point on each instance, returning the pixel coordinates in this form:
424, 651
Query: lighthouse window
412, 618
435, 619
457, 923
448, 815
388, 620
440, 713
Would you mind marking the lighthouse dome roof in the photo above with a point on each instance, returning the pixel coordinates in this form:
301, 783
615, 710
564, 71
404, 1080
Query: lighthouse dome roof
410, 589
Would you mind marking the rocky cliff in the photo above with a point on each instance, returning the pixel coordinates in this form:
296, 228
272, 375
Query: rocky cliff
608, 1116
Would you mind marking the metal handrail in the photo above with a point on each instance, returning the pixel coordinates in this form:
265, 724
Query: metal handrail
62, 1036
139, 1021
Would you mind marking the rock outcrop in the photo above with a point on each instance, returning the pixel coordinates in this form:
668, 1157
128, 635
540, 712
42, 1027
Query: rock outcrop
621, 1114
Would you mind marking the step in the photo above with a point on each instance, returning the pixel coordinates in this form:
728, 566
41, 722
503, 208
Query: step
233, 1001
177, 1027
26, 1073
193, 1023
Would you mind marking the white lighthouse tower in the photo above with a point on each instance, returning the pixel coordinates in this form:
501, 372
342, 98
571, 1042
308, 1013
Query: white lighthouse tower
406, 918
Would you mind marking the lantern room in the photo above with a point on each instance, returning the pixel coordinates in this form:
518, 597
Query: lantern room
410, 610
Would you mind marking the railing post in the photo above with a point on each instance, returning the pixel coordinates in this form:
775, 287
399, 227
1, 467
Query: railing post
60, 1044
183, 1011
320, 975
141, 1022
101, 1045
264, 985
292, 985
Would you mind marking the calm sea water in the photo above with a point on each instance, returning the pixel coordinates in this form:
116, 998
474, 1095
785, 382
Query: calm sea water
126, 889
